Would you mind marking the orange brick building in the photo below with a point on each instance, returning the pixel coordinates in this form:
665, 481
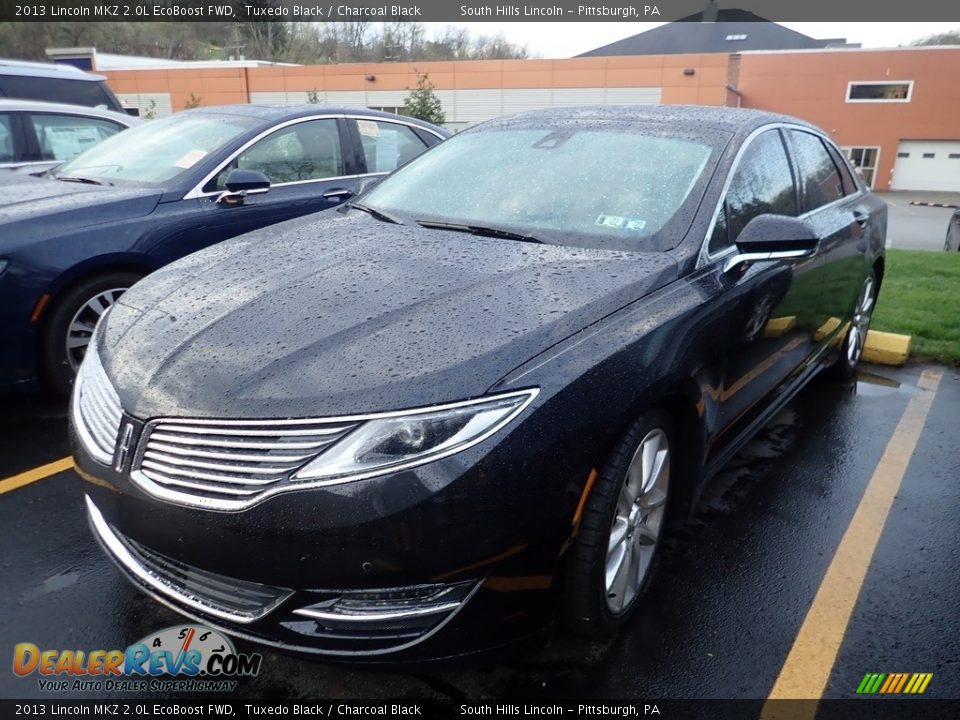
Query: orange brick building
896, 112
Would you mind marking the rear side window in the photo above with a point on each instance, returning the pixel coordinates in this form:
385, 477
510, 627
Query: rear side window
762, 184
6, 139
387, 145
63, 137
821, 180
849, 184
71, 92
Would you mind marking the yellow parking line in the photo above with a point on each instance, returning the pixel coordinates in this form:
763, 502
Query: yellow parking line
810, 662
25, 478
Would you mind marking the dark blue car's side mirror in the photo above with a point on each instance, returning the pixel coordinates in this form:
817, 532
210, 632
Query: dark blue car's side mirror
241, 183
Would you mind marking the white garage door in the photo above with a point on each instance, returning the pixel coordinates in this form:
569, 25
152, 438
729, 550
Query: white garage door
927, 165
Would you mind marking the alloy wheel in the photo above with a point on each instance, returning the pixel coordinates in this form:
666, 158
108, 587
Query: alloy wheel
83, 323
637, 521
860, 324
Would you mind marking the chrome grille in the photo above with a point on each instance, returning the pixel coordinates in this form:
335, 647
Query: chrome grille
230, 460
96, 409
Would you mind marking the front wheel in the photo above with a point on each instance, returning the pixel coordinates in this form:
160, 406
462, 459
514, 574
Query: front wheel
617, 545
71, 323
856, 338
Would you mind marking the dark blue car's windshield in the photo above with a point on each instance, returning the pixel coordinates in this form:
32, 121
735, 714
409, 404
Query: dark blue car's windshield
159, 151
602, 186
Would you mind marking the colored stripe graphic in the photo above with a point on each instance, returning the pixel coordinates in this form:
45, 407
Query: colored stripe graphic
894, 683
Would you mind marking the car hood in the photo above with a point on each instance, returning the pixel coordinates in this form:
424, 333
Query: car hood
345, 314
28, 199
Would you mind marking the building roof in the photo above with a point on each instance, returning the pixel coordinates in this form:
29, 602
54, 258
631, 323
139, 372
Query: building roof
714, 31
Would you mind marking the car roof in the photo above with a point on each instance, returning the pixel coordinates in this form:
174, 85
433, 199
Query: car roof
48, 70
64, 108
735, 121
271, 113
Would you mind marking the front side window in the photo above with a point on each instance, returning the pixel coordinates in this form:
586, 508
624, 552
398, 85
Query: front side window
821, 181
159, 151
387, 145
305, 151
615, 186
63, 137
762, 184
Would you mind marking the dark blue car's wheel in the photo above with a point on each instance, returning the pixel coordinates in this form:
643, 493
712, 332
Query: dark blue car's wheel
71, 323
620, 533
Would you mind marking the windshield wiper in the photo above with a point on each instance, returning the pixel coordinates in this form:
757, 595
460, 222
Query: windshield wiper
378, 214
78, 179
480, 230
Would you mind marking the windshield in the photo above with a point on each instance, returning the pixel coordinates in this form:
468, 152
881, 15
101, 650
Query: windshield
603, 186
157, 152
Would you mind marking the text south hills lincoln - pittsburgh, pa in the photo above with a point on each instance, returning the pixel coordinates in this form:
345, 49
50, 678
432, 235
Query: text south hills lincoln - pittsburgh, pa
504, 11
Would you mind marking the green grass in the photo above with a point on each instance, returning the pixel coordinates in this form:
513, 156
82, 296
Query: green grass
920, 296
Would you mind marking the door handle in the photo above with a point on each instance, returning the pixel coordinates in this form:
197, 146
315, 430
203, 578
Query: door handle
861, 217
338, 194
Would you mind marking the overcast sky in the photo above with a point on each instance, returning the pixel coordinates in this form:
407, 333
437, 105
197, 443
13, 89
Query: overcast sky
565, 39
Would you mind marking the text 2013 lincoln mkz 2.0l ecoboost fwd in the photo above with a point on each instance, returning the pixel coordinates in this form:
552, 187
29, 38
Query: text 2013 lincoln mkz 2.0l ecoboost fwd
426, 427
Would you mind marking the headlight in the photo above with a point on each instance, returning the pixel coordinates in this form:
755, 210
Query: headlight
3, 265
396, 441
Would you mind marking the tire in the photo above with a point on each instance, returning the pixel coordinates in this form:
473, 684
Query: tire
852, 349
72, 319
593, 605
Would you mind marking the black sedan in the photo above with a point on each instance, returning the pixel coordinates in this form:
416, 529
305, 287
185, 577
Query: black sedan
72, 243
427, 428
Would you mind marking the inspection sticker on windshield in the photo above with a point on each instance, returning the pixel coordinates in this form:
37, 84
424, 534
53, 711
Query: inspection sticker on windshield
621, 223
190, 159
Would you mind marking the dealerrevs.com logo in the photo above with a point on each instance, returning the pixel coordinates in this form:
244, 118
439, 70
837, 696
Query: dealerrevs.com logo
188, 658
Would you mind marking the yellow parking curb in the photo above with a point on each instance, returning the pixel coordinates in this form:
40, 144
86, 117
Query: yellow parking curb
886, 348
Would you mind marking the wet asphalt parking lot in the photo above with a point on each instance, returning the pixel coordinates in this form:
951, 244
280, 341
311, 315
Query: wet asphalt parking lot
772, 589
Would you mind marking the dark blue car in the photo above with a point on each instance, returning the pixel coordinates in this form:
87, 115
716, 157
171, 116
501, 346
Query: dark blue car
73, 242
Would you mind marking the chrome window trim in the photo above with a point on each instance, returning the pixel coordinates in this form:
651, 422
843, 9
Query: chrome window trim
704, 257
291, 484
198, 192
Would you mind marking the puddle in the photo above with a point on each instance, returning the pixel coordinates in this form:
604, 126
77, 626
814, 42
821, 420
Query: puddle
872, 385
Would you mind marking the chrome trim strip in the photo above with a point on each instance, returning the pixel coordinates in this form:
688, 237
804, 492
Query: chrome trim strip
233, 427
253, 444
763, 256
704, 257
186, 462
143, 478
241, 457
198, 192
374, 617
162, 468
122, 556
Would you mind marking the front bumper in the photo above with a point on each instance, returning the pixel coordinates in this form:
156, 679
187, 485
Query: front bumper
447, 559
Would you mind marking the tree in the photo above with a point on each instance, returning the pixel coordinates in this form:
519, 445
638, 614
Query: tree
422, 102
950, 37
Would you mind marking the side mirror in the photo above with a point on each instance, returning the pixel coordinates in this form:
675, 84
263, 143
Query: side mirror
774, 237
241, 183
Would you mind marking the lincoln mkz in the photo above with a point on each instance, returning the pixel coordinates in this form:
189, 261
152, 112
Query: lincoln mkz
428, 423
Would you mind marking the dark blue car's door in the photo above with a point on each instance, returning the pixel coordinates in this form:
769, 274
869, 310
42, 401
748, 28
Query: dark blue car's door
311, 168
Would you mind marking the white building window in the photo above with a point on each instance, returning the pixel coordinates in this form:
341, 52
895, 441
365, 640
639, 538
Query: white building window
881, 91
